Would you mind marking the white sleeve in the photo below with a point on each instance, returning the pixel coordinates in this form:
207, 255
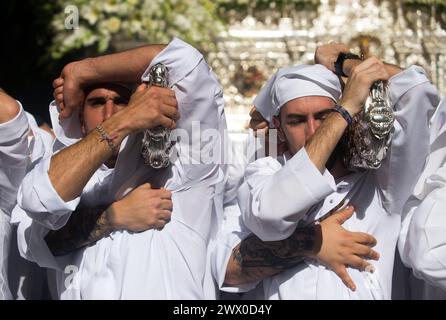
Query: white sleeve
38, 198
280, 196
414, 100
200, 104
426, 237
231, 233
31, 242
14, 158
198, 150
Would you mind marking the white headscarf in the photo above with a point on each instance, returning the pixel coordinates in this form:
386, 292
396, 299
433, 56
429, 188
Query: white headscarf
296, 82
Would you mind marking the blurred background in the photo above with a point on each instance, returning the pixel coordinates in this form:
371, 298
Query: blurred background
244, 41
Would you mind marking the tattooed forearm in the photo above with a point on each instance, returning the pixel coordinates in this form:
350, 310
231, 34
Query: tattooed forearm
252, 252
253, 260
85, 226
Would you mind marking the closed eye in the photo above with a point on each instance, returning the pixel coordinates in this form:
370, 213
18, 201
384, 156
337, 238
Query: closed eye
121, 101
322, 115
96, 102
295, 119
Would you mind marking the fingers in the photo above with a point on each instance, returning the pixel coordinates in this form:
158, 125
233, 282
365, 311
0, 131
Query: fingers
258, 125
342, 273
159, 225
170, 101
166, 204
170, 112
164, 194
344, 214
65, 112
373, 68
163, 218
360, 264
167, 122
364, 238
141, 87
58, 82
165, 215
366, 252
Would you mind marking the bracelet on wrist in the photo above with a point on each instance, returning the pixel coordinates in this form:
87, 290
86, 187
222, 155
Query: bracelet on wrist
344, 113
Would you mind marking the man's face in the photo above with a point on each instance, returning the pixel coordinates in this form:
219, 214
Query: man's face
299, 119
101, 103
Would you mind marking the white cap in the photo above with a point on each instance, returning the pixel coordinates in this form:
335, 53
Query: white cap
296, 82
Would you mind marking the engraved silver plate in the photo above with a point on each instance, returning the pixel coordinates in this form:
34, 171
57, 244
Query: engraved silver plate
369, 136
156, 144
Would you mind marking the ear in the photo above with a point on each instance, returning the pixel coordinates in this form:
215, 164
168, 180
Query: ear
277, 125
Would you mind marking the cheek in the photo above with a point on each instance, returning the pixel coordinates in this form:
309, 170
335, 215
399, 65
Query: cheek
295, 137
92, 118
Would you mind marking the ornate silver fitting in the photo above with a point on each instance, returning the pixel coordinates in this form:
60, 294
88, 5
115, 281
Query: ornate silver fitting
156, 144
369, 136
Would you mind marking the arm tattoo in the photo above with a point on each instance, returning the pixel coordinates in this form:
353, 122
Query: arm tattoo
254, 260
284, 254
85, 226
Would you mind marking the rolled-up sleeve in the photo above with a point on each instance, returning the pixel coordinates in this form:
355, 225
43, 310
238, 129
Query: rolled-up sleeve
426, 247
38, 198
14, 158
231, 233
280, 196
31, 241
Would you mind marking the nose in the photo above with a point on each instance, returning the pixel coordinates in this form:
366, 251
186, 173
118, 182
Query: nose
312, 125
109, 109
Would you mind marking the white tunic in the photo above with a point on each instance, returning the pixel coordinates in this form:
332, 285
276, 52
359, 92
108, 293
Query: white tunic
18, 152
277, 195
422, 243
167, 264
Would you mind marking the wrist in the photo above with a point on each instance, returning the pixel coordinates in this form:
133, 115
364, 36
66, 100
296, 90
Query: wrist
84, 72
309, 240
348, 65
344, 113
316, 231
118, 127
341, 61
350, 107
112, 216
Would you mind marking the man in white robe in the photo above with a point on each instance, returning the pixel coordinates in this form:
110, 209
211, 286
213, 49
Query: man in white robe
280, 194
154, 264
22, 144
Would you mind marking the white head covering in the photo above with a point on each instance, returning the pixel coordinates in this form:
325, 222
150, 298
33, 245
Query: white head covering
296, 82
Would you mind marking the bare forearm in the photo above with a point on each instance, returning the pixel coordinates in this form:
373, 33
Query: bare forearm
71, 168
325, 139
84, 227
253, 260
349, 64
9, 108
126, 66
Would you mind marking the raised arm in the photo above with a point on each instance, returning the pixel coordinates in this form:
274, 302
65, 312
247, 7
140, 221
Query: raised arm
253, 260
327, 55
148, 108
126, 66
142, 209
356, 91
9, 108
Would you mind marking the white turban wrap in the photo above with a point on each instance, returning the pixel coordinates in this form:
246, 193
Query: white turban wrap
296, 82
